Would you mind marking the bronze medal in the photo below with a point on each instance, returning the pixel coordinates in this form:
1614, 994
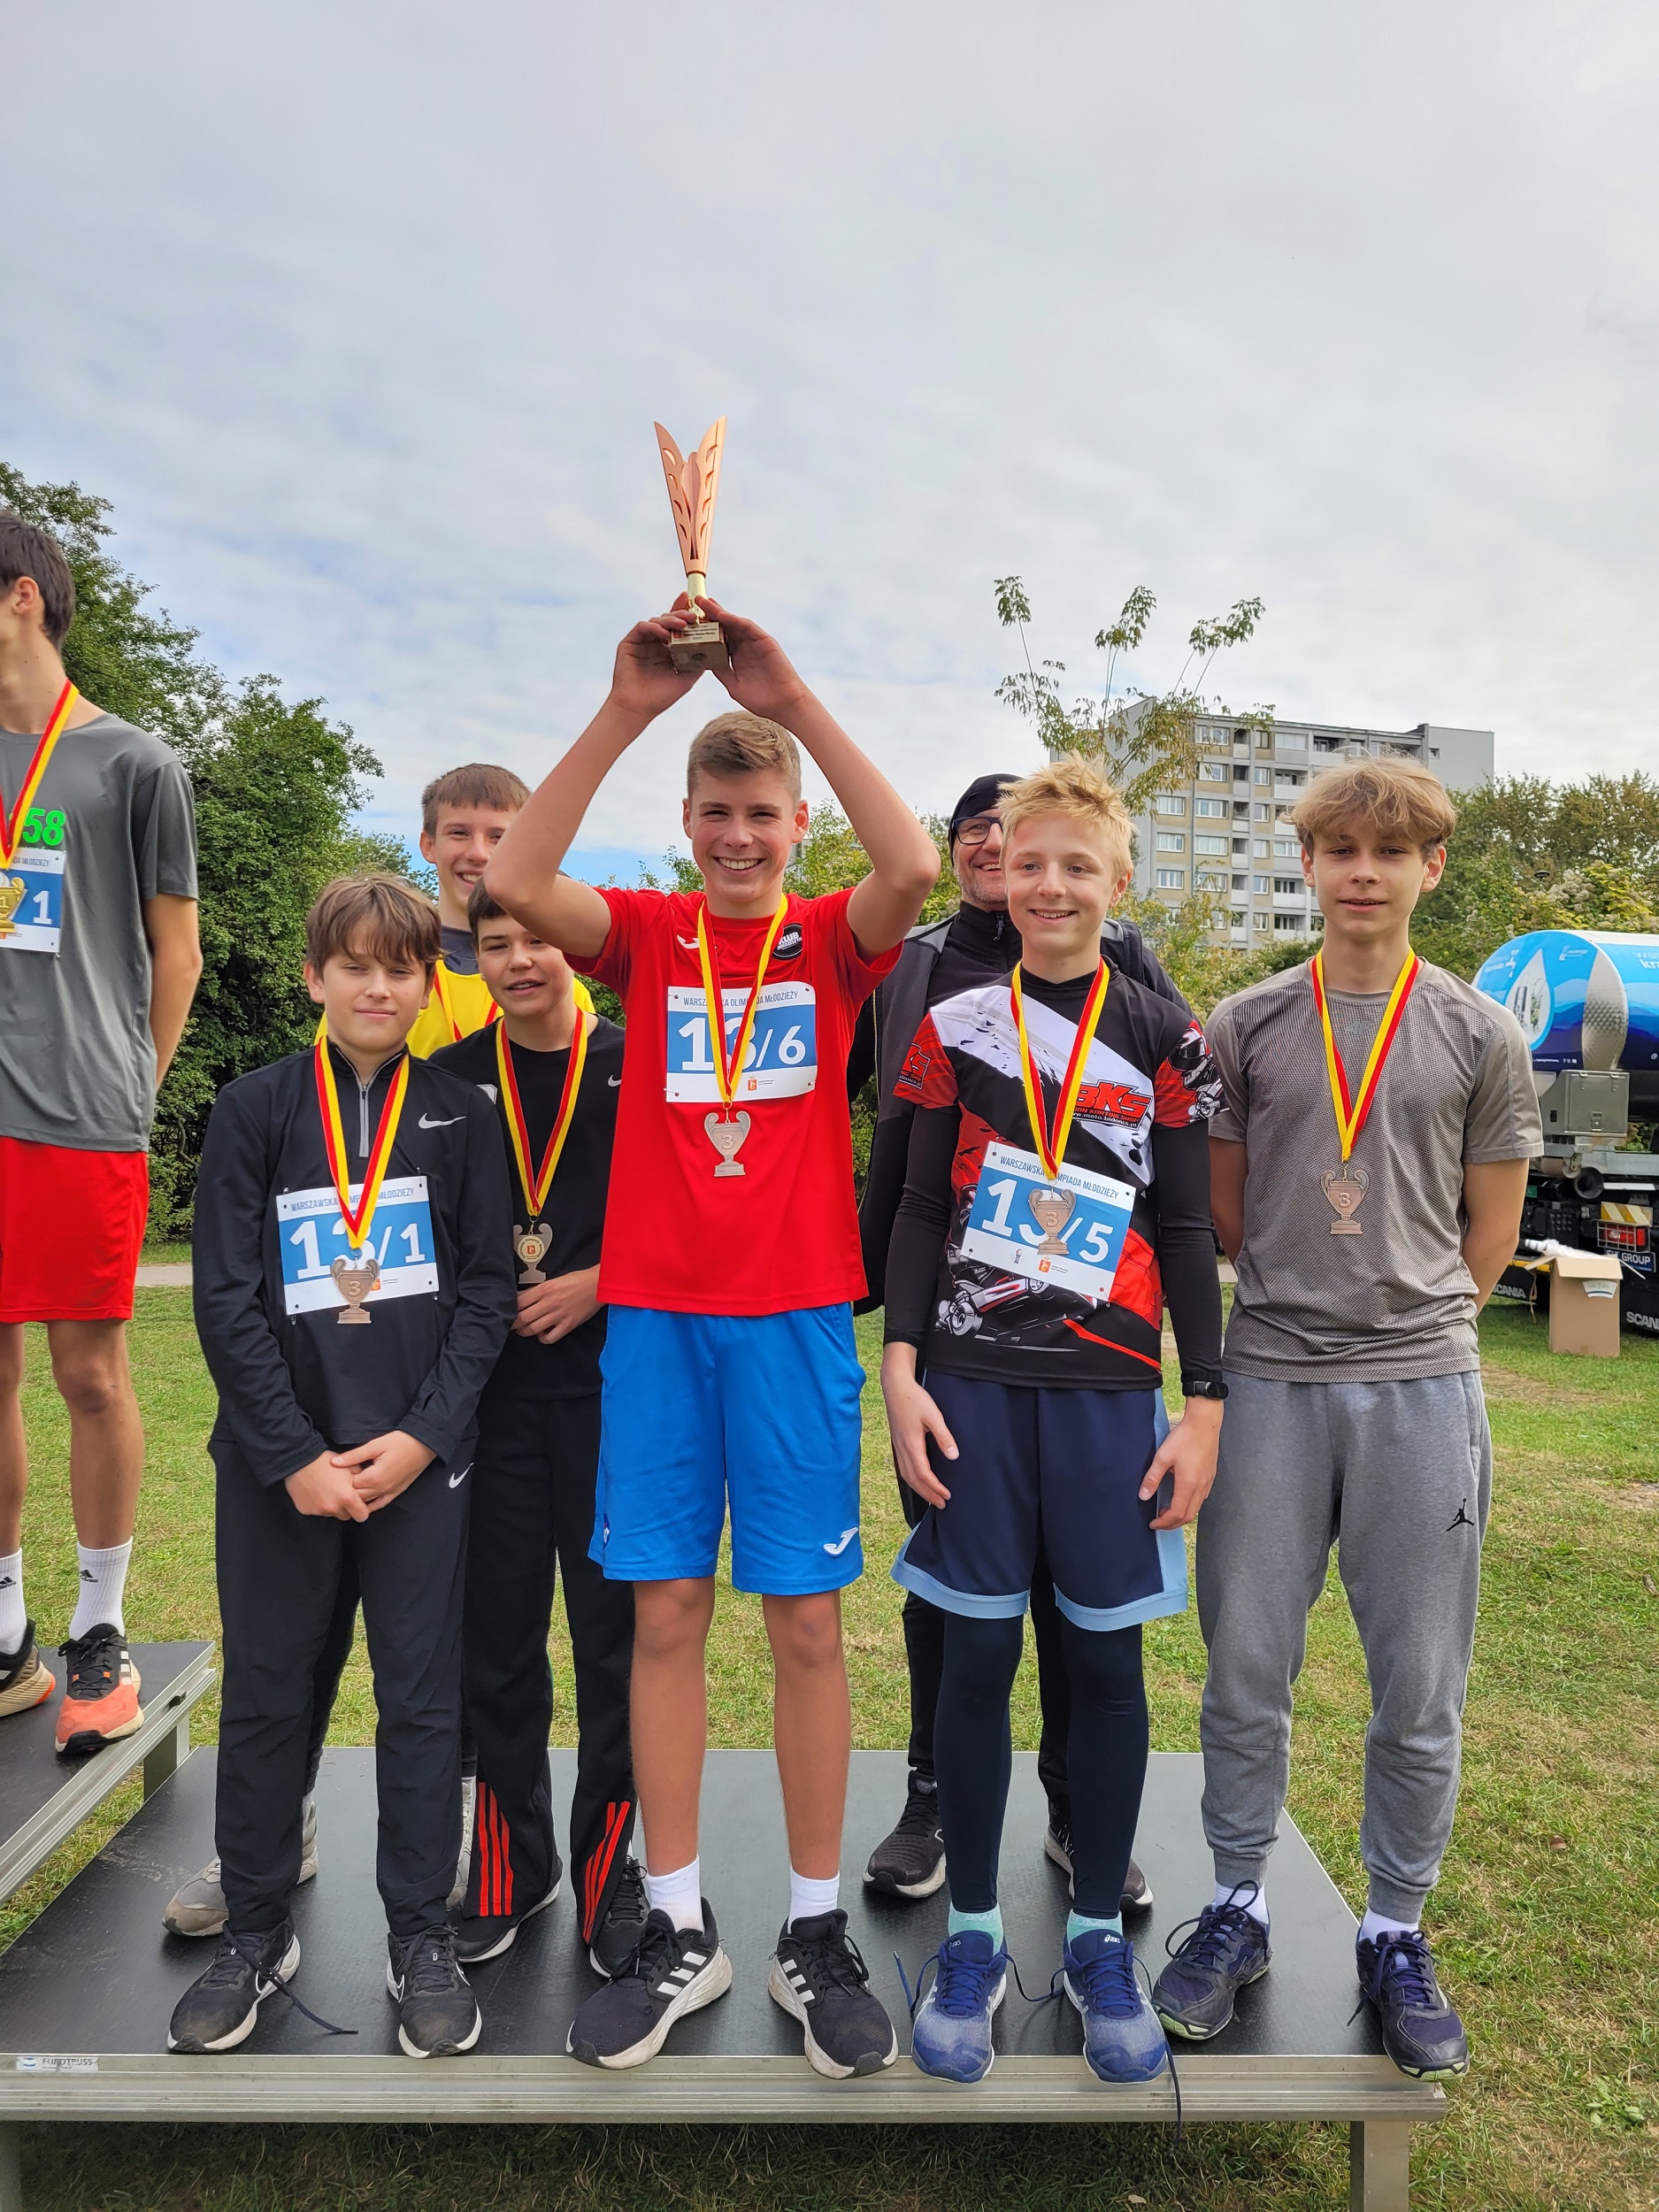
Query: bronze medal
726, 1130
726, 1136
357, 1276
533, 1246
1345, 1187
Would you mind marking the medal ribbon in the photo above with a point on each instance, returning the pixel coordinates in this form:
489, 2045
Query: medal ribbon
537, 1183
11, 823
358, 1223
1051, 1146
1350, 1112
727, 1069
444, 1000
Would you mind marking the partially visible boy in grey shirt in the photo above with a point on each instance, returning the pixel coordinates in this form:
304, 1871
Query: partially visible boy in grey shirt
1367, 1176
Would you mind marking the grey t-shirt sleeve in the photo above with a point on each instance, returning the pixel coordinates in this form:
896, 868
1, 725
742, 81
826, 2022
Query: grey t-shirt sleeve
164, 833
1231, 1118
1502, 1122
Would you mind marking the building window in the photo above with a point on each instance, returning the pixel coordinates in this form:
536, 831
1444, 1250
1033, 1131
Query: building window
1287, 883
1263, 740
1285, 849
1239, 883
1264, 775
1290, 924
1215, 771
1327, 744
1237, 919
1202, 844
1241, 771
1263, 921
1172, 878
1259, 848
1170, 802
1261, 885
1261, 814
1292, 740
1208, 880
1291, 779
1172, 842
1209, 808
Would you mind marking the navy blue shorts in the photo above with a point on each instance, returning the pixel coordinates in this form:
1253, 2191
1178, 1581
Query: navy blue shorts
1066, 1465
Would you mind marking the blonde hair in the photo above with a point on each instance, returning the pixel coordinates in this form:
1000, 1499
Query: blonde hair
1394, 798
376, 914
1071, 785
740, 744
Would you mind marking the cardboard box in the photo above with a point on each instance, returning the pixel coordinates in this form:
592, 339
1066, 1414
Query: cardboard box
1584, 1303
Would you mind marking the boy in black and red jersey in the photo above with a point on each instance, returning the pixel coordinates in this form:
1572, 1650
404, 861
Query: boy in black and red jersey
1057, 1183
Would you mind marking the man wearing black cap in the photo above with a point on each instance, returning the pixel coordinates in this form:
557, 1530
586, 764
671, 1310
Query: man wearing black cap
939, 959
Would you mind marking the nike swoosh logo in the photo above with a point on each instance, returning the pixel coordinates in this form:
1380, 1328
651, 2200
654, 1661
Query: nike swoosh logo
835, 1550
427, 1122
615, 1082
456, 1480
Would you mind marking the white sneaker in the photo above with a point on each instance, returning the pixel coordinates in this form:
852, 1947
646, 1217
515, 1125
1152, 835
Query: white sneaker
198, 1907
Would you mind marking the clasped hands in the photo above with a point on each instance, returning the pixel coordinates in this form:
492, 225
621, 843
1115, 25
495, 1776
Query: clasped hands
350, 1486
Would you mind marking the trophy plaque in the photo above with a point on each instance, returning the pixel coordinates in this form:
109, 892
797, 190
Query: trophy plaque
694, 480
356, 1277
726, 1137
1051, 1210
1345, 1187
533, 1246
12, 891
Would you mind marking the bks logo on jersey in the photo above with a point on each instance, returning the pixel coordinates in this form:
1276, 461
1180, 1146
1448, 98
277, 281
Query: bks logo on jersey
1113, 1102
790, 941
913, 1074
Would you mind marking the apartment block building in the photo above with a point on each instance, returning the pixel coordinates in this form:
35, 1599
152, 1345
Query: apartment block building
1229, 833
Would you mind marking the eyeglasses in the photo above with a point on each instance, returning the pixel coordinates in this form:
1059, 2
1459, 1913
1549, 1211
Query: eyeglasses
977, 828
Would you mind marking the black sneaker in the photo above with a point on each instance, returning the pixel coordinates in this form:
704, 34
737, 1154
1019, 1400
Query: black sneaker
617, 1937
1056, 1846
673, 1971
437, 2013
910, 1863
486, 1935
1226, 1952
220, 2009
1420, 2032
818, 1976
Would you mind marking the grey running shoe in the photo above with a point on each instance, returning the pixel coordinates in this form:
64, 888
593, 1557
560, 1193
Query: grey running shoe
220, 2009
1420, 2032
911, 1861
198, 1907
1057, 1846
1226, 1951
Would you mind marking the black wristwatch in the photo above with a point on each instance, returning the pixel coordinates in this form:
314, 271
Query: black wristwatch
1206, 1384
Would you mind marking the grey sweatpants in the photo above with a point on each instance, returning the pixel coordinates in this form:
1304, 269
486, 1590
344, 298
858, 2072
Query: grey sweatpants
1398, 1476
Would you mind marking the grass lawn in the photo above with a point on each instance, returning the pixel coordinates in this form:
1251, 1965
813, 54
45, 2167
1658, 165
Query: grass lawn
1543, 1921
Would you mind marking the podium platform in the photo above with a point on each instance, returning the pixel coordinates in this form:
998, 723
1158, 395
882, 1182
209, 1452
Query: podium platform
43, 1798
86, 1991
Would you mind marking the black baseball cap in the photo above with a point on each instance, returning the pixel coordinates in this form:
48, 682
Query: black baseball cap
983, 795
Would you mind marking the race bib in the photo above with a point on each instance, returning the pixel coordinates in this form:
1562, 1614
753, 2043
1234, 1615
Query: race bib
1069, 1233
32, 901
782, 1058
312, 1236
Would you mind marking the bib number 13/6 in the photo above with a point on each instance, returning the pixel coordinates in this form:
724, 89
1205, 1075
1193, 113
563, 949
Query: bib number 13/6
1069, 1232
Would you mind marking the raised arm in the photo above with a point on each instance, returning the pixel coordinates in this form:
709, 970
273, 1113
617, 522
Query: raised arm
904, 859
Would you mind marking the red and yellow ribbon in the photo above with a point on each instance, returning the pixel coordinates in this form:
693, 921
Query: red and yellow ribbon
727, 1069
11, 825
1051, 1144
448, 1004
357, 1220
1351, 1112
537, 1182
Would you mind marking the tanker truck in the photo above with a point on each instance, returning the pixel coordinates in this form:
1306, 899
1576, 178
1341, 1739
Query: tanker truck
1587, 1001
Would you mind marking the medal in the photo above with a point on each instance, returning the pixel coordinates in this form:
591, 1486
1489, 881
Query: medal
1346, 1185
456, 1030
1051, 1210
534, 1242
12, 823
358, 1273
726, 1130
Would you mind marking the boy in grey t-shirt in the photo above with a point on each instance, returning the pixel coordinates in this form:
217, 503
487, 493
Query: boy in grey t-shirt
1367, 1176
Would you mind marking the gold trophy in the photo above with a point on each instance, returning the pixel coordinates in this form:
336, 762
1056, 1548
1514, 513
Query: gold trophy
356, 1277
693, 481
726, 1137
1345, 1187
1051, 1210
533, 1246
12, 891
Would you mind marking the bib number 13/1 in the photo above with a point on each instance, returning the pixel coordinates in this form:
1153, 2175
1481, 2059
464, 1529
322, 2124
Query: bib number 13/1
32, 901
1068, 1231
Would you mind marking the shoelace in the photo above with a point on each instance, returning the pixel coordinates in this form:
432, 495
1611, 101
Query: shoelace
833, 1959
233, 1948
429, 1966
920, 1815
966, 1984
1404, 1959
651, 1954
1215, 1929
1109, 1982
82, 1654
627, 1901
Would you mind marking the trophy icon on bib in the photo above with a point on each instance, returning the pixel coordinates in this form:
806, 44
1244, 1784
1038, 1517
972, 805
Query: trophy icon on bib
1051, 1210
694, 480
533, 1246
357, 1276
1345, 1187
12, 891
726, 1137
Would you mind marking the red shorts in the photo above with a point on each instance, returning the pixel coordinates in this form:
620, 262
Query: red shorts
72, 1226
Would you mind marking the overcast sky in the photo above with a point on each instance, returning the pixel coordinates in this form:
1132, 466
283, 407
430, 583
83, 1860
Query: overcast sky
361, 314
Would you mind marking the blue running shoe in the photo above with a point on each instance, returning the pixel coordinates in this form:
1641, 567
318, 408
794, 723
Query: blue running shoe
1226, 1951
951, 2033
1420, 2032
1123, 2040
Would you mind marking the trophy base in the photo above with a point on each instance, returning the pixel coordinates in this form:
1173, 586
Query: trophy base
730, 1167
355, 1316
699, 647
1346, 1229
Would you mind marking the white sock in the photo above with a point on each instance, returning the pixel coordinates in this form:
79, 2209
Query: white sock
678, 1894
810, 1899
1379, 1924
1239, 1893
102, 1581
13, 1613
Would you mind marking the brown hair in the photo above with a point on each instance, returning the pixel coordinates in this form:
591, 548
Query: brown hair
374, 914
480, 908
477, 784
26, 551
1074, 787
1395, 798
740, 744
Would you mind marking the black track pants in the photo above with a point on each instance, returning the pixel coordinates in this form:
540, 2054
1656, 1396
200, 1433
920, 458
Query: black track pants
280, 1574
331, 1663
925, 1655
533, 1512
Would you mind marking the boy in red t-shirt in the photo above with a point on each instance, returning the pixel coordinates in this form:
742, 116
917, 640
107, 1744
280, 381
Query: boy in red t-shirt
730, 1259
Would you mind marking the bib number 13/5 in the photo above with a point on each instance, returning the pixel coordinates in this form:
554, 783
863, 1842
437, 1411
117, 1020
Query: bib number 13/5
1069, 1232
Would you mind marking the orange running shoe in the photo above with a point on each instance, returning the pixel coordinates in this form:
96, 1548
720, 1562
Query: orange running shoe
101, 1695
26, 1680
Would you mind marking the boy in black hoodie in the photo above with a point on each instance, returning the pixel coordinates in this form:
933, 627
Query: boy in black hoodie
351, 1184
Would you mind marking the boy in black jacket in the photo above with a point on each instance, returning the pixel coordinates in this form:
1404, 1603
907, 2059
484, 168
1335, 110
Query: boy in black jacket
351, 1186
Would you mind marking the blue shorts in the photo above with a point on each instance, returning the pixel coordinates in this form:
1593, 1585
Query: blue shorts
761, 1408
1065, 1464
